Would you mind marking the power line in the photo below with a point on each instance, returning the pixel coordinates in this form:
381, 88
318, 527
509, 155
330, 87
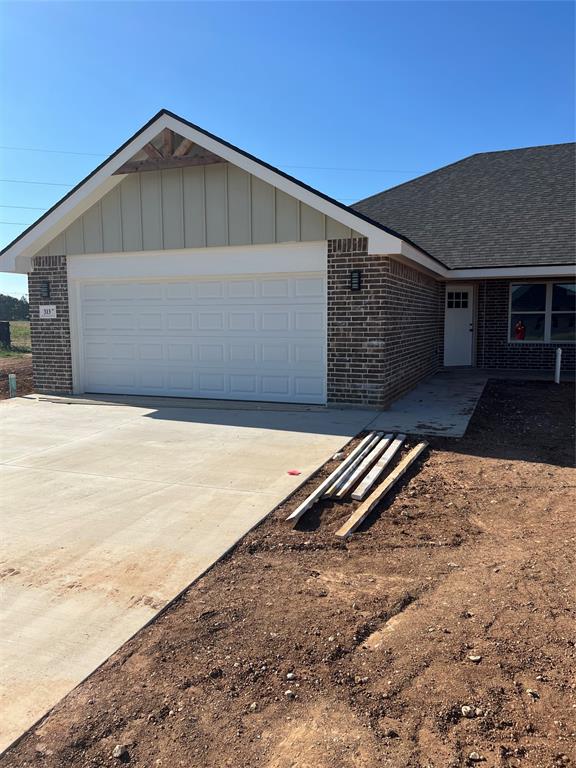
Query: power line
280, 165
360, 170
24, 207
17, 223
26, 181
53, 151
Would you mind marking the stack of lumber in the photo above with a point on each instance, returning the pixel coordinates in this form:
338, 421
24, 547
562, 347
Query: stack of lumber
357, 476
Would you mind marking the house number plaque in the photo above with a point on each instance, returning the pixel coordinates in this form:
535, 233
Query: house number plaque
47, 311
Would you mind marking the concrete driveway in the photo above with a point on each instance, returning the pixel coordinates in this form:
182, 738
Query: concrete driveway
110, 510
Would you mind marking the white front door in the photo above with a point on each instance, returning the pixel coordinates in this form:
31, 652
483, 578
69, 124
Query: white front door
458, 325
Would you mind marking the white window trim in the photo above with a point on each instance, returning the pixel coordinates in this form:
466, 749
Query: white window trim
547, 312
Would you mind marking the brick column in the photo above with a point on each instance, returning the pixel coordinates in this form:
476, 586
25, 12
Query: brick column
386, 337
51, 349
355, 325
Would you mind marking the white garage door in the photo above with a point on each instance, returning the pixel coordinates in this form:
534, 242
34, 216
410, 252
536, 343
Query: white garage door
243, 338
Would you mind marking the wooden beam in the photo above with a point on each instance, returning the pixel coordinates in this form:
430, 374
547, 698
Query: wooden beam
141, 166
357, 517
294, 516
152, 151
364, 466
183, 148
345, 475
167, 143
378, 469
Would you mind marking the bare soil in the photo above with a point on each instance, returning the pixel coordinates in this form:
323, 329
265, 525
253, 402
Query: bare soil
22, 367
458, 592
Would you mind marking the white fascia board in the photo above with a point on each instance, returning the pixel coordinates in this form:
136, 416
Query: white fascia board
382, 239
23, 251
494, 273
17, 258
423, 260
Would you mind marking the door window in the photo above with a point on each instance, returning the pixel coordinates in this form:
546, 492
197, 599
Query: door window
457, 299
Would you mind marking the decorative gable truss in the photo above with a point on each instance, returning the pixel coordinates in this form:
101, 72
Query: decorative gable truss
195, 206
168, 150
174, 185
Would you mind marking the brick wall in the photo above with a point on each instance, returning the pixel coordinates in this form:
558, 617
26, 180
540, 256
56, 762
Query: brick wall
414, 315
51, 359
492, 345
386, 337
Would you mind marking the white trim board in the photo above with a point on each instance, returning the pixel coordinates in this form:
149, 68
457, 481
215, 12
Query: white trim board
16, 258
197, 262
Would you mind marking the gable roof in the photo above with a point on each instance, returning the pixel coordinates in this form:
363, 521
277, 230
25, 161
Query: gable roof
16, 255
494, 209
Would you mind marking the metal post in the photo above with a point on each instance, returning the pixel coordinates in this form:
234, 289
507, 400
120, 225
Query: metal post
12, 385
558, 365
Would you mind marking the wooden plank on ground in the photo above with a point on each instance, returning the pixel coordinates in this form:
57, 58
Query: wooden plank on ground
364, 466
376, 496
378, 468
337, 484
294, 516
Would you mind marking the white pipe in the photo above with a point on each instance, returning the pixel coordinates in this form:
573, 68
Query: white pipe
558, 365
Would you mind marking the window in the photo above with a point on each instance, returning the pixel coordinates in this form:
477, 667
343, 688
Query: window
528, 312
563, 312
542, 312
457, 300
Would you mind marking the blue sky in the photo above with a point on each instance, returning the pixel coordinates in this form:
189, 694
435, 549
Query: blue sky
351, 97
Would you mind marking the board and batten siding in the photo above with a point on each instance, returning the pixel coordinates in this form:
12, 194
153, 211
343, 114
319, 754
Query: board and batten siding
195, 207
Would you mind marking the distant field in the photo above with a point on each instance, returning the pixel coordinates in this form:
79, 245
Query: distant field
20, 338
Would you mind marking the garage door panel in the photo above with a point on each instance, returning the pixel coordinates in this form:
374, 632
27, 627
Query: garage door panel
210, 321
308, 321
261, 338
275, 385
308, 386
95, 321
309, 353
275, 289
179, 321
97, 350
275, 321
245, 384
211, 353
151, 352
179, 352
119, 321
212, 384
122, 351
242, 321
242, 352
210, 289
275, 352
309, 287
242, 289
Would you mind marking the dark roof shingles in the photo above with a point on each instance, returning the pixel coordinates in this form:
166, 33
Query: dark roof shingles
515, 207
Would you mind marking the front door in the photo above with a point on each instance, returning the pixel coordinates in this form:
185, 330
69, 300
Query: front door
458, 325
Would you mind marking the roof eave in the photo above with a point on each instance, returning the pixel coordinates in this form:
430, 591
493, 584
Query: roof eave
16, 257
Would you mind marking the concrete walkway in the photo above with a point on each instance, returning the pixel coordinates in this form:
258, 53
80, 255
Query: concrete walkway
109, 511
441, 405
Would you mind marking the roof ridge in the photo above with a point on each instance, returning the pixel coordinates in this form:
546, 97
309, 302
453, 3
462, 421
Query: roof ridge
457, 162
523, 149
416, 178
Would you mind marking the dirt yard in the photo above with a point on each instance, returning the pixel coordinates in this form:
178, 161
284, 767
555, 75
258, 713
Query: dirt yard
21, 365
442, 634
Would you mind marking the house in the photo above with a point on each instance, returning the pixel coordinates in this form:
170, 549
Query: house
184, 266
